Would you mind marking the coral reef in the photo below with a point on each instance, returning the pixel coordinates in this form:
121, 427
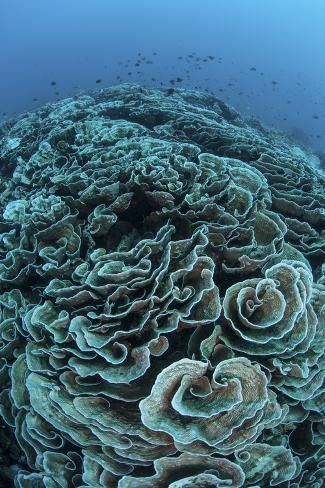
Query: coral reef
162, 297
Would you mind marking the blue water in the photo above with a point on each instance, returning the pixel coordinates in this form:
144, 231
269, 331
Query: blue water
268, 54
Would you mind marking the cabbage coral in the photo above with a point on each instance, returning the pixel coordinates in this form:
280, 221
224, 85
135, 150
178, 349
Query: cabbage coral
162, 297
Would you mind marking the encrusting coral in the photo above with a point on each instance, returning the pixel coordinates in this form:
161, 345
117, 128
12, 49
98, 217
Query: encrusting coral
162, 297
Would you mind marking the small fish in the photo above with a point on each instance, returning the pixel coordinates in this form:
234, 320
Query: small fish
98, 81
53, 83
252, 68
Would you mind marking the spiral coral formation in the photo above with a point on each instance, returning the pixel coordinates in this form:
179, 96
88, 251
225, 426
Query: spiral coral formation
162, 297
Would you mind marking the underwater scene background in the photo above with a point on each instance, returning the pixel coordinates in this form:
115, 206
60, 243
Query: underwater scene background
162, 277
266, 58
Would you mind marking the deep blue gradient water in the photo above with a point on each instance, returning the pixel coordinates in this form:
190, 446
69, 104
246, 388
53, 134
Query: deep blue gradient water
266, 56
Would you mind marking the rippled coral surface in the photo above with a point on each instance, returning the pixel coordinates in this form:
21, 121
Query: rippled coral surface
162, 297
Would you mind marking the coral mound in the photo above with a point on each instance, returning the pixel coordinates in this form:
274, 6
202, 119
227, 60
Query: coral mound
162, 297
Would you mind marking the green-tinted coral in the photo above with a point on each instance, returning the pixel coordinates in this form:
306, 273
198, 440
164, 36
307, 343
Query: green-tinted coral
213, 416
162, 300
189, 470
273, 317
267, 465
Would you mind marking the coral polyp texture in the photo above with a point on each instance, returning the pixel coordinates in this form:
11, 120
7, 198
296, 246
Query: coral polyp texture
162, 297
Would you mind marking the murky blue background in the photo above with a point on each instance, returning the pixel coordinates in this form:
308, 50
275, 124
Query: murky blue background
268, 54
